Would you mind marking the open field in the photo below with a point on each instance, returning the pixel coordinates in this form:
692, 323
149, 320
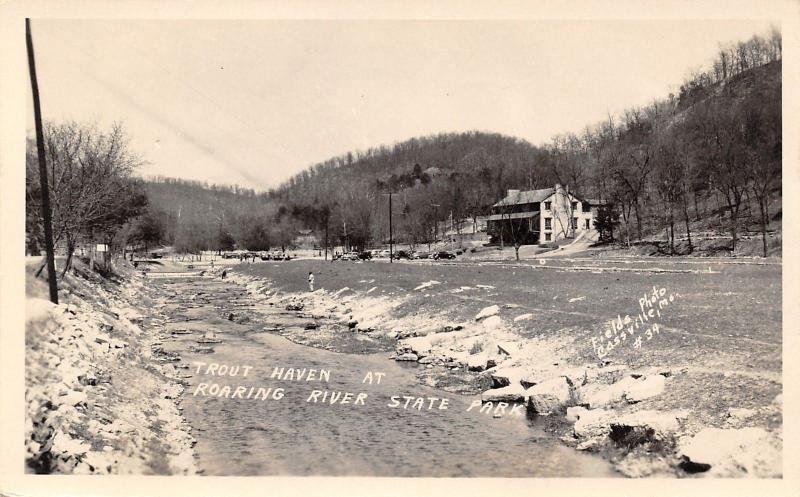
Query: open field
721, 307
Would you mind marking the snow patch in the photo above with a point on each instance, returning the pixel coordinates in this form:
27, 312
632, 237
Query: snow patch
486, 312
427, 284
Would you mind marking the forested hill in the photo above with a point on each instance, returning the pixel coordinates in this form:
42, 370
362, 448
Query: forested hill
712, 148
489, 159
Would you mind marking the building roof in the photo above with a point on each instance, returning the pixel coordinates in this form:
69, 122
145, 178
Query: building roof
515, 215
526, 197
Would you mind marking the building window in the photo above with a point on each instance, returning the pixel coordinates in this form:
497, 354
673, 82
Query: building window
574, 206
547, 206
587, 223
574, 223
547, 237
548, 223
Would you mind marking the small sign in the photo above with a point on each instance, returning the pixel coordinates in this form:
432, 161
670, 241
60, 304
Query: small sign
102, 247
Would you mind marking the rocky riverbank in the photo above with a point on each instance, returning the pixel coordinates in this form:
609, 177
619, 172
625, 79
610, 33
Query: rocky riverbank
646, 419
99, 398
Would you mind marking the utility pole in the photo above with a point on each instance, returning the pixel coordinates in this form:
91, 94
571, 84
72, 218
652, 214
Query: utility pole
435, 223
391, 253
46, 215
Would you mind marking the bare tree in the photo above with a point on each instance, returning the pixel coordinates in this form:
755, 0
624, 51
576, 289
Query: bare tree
92, 192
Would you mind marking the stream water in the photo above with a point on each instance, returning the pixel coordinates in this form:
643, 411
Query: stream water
292, 436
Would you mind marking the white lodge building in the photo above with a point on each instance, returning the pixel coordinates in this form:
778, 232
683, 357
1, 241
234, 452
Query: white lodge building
540, 216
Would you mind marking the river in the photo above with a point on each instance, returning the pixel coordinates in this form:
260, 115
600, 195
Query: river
290, 436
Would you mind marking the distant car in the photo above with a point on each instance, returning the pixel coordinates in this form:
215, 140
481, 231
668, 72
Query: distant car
421, 255
365, 255
443, 254
349, 256
383, 253
403, 254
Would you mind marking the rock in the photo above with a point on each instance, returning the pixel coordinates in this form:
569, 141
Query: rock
492, 323
392, 334
65, 445
549, 396
480, 362
729, 452
737, 415
644, 389
352, 323
628, 430
451, 327
652, 371
311, 326
593, 423
662, 423
608, 374
71, 398
477, 362
425, 360
408, 356
87, 379
507, 376
486, 312
295, 307
511, 393
574, 413
523, 317
597, 395
592, 444
529, 380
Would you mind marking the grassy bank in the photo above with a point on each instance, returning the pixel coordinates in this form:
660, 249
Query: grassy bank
714, 361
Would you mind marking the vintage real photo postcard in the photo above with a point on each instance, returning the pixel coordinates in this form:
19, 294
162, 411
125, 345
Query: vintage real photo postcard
399, 247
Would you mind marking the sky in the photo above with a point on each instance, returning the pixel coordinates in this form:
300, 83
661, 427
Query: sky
254, 102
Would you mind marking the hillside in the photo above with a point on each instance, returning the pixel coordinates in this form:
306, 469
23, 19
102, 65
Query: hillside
707, 159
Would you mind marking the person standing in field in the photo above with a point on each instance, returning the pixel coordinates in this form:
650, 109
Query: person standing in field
310, 281
224, 273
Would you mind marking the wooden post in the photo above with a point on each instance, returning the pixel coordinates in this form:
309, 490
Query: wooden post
46, 215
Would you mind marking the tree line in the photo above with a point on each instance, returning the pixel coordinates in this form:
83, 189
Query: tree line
93, 193
714, 148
